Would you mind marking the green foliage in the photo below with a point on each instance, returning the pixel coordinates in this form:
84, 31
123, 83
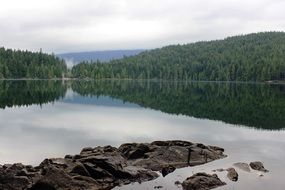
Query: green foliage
15, 64
255, 105
253, 57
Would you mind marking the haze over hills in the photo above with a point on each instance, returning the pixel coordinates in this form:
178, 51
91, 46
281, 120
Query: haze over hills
103, 56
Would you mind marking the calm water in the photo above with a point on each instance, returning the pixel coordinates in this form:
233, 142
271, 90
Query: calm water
40, 119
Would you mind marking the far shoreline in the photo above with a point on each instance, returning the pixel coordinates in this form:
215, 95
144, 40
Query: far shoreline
151, 80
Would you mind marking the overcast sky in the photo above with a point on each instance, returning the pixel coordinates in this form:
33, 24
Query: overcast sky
83, 25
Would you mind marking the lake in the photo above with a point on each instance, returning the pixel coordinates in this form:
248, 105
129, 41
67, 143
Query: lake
40, 119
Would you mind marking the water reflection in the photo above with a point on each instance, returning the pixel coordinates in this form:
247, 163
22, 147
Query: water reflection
253, 105
25, 93
79, 114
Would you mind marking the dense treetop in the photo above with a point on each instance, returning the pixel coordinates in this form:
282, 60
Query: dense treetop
25, 64
253, 57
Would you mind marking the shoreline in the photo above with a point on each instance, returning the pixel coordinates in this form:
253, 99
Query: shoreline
150, 80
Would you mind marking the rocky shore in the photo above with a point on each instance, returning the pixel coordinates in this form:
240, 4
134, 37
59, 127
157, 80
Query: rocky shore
106, 167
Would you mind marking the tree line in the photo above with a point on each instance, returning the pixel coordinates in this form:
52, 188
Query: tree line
253, 57
15, 64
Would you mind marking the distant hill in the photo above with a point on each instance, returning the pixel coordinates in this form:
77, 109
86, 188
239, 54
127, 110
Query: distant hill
252, 57
103, 56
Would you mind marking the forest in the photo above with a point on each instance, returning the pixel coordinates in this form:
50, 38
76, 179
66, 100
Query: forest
17, 64
252, 57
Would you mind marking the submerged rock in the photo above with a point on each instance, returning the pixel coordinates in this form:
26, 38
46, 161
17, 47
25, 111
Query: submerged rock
202, 181
258, 166
232, 174
178, 183
243, 166
106, 167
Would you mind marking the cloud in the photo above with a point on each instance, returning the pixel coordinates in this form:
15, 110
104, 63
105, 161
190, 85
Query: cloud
83, 25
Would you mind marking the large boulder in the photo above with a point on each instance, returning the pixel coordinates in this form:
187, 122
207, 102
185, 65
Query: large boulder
202, 181
258, 166
161, 154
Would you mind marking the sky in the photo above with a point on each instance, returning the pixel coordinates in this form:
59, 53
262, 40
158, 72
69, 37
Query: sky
61, 26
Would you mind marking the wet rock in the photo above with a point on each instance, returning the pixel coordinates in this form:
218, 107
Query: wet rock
258, 166
106, 167
55, 178
86, 149
134, 151
5, 166
178, 183
9, 180
219, 170
232, 174
68, 157
163, 153
80, 170
167, 170
243, 166
202, 181
96, 172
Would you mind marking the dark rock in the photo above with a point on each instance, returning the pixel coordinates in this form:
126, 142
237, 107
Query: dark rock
55, 178
160, 143
5, 166
219, 170
158, 187
96, 172
77, 156
134, 151
68, 157
109, 149
258, 166
232, 174
106, 167
80, 170
202, 181
201, 146
177, 183
167, 170
86, 149
173, 153
243, 166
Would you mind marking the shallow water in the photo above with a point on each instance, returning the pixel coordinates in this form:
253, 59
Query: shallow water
52, 119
